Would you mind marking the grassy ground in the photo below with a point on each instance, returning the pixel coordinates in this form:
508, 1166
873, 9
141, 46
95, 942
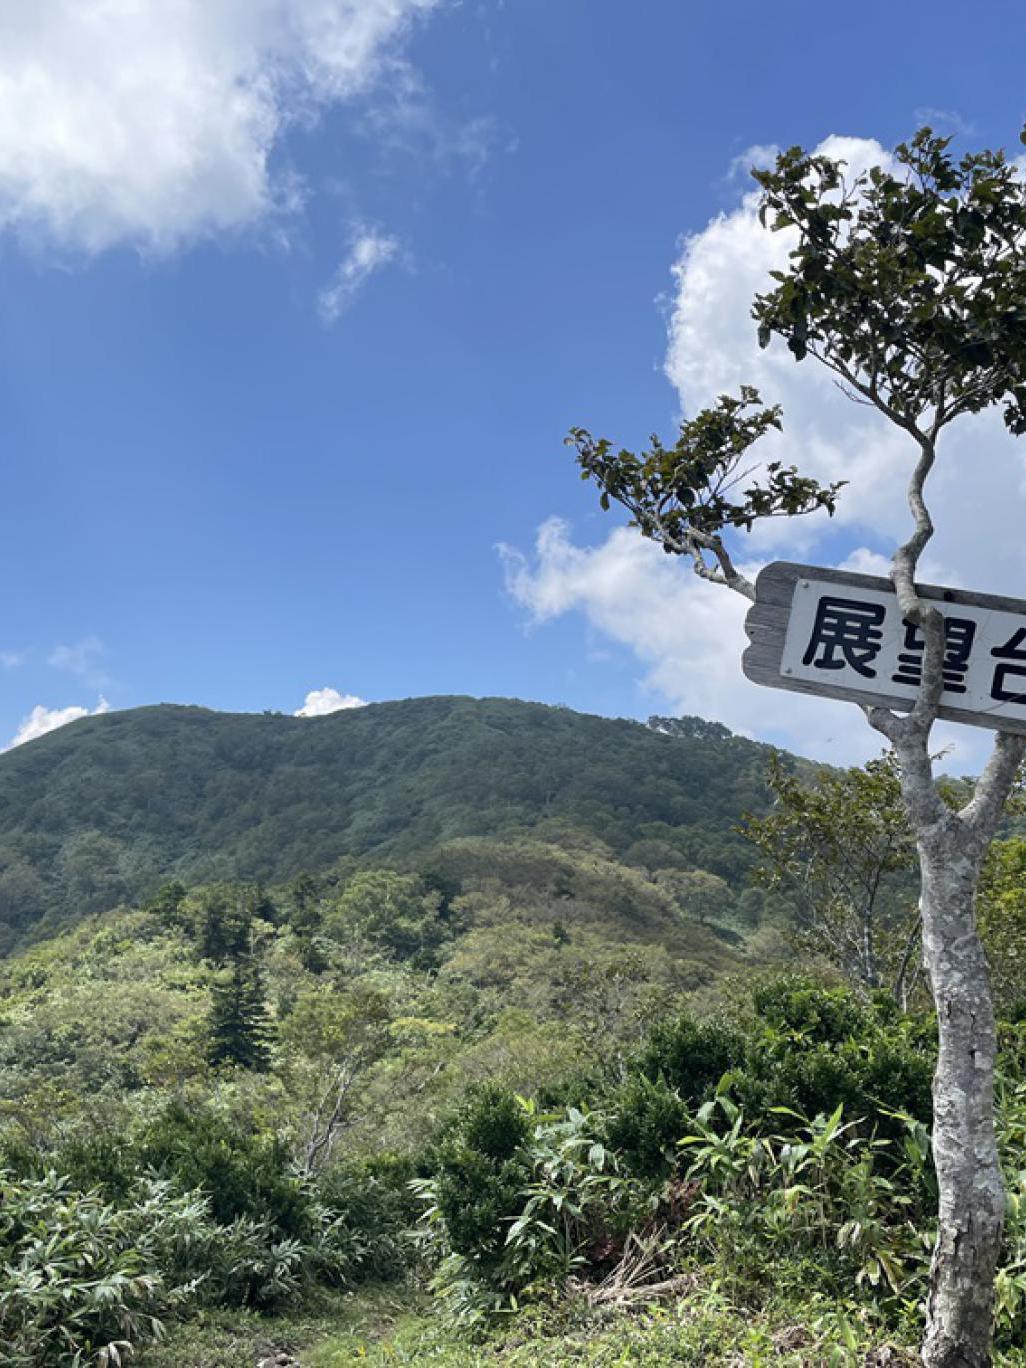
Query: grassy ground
237, 1339
389, 1327
708, 1334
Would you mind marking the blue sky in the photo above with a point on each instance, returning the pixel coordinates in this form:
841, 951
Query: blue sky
279, 377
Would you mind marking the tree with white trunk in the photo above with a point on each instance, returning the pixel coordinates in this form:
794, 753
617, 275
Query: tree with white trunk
910, 286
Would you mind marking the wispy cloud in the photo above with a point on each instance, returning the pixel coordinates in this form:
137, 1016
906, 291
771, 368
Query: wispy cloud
42, 720
409, 123
369, 251
10, 660
320, 702
944, 121
83, 660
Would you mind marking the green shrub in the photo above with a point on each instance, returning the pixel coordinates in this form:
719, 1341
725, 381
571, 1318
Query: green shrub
801, 1006
646, 1120
814, 1048
478, 1170
691, 1056
85, 1280
502, 1231
815, 1077
243, 1263
576, 1208
476, 1197
898, 1075
244, 1174
493, 1122
815, 1194
90, 1160
81, 1281
371, 1210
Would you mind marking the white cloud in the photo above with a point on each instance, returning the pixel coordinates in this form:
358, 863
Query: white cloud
369, 252
759, 154
82, 659
689, 634
944, 121
406, 121
152, 124
42, 720
320, 702
10, 660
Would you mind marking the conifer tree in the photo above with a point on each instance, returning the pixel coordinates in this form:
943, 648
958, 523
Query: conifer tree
240, 1028
226, 922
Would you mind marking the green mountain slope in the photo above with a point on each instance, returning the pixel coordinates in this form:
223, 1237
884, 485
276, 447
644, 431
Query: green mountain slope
107, 808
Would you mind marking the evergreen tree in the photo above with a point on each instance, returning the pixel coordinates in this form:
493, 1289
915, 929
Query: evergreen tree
240, 1027
166, 903
225, 922
305, 916
303, 904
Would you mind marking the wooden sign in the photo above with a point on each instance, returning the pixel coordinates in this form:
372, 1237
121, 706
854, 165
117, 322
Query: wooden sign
842, 635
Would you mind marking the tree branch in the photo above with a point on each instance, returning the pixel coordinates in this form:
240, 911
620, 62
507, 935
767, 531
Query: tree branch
732, 577
901, 978
982, 813
693, 544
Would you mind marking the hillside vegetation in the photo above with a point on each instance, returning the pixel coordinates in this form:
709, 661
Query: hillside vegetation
227, 1106
525, 1073
104, 810
219, 1099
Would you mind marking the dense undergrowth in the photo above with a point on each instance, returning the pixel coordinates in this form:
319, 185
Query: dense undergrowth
774, 1155
568, 1131
219, 1100
802, 1169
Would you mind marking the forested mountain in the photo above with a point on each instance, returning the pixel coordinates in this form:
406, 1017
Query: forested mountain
106, 809
481, 988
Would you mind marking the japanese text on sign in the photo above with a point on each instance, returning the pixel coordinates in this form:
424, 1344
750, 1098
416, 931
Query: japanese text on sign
858, 637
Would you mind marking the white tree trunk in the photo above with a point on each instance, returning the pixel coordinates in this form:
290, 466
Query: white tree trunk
972, 1200
952, 845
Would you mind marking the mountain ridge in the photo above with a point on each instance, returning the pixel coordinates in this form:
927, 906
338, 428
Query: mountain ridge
106, 808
